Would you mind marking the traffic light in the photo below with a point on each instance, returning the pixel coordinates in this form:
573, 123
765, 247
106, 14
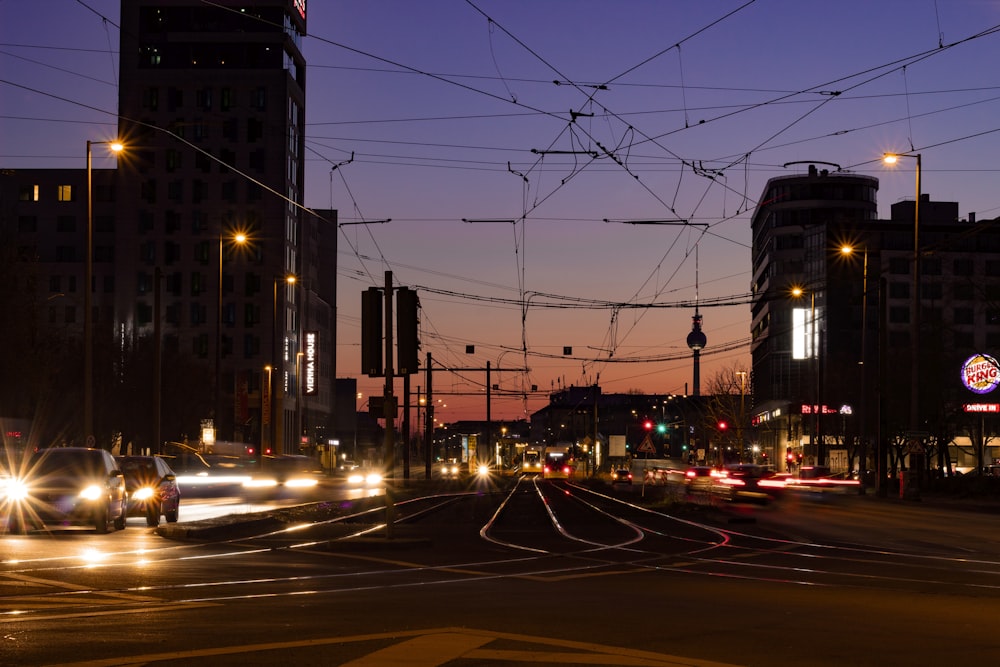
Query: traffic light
648, 425
371, 332
661, 428
723, 425
407, 343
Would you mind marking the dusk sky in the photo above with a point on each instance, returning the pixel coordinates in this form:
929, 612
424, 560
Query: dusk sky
549, 124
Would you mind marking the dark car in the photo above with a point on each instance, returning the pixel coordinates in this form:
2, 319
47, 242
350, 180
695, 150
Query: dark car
741, 482
67, 486
152, 488
621, 476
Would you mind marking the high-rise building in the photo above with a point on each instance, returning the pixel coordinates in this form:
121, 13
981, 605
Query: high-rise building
212, 113
805, 334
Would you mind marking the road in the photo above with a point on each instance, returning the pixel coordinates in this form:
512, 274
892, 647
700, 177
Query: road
532, 573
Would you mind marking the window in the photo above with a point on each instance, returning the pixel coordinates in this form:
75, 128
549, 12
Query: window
931, 290
66, 223
148, 191
225, 99
993, 267
55, 284
64, 193
255, 130
964, 292
898, 290
229, 192
251, 315
173, 159
175, 99
197, 284
258, 99
65, 253
964, 316
931, 266
899, 315
171, 252
172, 222
151, 98
146, 221
899, 266
143, 283
197, 313
201, 346
963, 267
203, 98
27, 224
28, 193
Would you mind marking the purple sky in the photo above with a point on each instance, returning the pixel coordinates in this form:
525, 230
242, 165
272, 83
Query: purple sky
703, 103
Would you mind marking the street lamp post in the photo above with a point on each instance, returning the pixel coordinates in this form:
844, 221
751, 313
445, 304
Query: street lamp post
278, 371
239, 239
811, 349
88, 316
892, 158
862, 409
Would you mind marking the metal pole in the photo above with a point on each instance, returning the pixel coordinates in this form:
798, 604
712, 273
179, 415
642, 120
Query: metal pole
216, 411
389, 410
428, 423
88, 324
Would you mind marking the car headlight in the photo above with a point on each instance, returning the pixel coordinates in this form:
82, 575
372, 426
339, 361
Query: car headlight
373, 478
145, 493
92, 492
355, 479
14, 489
484, 470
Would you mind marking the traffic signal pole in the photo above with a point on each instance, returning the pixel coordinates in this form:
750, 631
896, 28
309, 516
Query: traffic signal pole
389, 409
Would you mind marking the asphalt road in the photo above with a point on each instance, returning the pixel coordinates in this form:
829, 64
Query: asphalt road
532, 574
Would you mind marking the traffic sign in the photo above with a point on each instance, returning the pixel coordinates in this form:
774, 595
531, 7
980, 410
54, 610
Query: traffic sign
646, 447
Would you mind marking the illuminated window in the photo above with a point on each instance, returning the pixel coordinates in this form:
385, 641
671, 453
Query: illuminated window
64, 193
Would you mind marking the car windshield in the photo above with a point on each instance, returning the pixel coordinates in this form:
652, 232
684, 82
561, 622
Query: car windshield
56, 461
140, 468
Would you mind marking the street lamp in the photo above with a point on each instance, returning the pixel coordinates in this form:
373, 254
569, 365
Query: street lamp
88, 316
288, 279
891, 159
848, 250
239, 239
810, 349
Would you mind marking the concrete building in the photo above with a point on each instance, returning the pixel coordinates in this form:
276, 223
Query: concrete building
212, 113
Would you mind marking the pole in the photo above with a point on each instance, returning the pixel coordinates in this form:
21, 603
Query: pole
915, 459
406, 437
489, 423
389, 409
863, 410
428, 423
88, 324
217, 409
157, 364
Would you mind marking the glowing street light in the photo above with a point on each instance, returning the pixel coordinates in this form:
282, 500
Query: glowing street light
892, 159
238, 239
88, 285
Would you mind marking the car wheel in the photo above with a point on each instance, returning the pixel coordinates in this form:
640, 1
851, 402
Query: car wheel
153, 514
120, 519
172, 514
101, 520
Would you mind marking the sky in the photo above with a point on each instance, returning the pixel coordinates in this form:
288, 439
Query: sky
512, 144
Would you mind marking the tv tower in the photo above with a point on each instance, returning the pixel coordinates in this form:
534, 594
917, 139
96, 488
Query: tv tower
696, 339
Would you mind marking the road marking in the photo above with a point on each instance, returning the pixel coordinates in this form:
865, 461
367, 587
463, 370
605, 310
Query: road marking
40, 604
435, 647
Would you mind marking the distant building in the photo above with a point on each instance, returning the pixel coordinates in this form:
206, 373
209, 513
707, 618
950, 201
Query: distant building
832, 367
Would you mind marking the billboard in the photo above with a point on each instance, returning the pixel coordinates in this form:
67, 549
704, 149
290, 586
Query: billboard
310, 363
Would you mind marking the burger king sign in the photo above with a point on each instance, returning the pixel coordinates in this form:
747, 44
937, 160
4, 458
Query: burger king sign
981, 373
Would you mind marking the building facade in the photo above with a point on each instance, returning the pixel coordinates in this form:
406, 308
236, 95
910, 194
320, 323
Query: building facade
212, 113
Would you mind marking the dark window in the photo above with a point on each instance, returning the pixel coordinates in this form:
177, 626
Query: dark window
963, 267
66, 223
964, 316
27, 224
899, 290
930, 266
899, 315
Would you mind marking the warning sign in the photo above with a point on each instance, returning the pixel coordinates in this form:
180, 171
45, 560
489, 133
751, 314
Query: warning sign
646, 447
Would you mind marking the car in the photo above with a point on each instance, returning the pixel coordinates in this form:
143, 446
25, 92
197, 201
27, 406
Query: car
621, 476
152, 488
742, 482
700, 480
451, 470
66, 486
364, 478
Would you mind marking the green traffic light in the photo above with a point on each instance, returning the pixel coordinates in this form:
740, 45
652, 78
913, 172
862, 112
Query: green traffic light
661, 428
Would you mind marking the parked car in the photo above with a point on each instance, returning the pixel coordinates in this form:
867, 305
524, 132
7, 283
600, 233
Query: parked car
152, 488
67, 486
621, 476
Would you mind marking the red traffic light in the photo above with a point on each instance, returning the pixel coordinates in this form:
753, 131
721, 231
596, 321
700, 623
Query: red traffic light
648, 425
723, 426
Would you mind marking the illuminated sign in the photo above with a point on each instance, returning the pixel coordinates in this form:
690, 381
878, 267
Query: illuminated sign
981, 407
301, 6
820, 410
981, 373
309, 363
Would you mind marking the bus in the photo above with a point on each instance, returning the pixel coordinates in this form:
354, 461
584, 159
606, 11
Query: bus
558, 462
531, 461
